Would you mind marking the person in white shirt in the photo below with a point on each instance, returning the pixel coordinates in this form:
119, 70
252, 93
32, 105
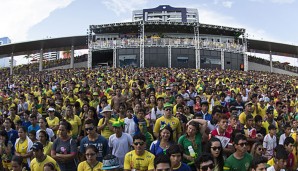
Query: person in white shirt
269, 142
130, 126
287, 133
119, 142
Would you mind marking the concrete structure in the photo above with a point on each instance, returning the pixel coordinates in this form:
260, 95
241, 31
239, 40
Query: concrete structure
259, 67
166, 13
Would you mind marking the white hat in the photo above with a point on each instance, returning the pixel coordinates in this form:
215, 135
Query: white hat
261, 100
51, 109
107, 109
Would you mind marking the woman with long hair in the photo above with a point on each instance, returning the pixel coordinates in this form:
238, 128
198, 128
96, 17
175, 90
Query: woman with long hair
43, 124
64, 149
214, 147
44, 140
164, 141
91, 163
74, 120
23, 146
17, 163
256, 150
192, 140
84, 113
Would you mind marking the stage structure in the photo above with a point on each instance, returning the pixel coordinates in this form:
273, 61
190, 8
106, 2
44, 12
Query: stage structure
167, 44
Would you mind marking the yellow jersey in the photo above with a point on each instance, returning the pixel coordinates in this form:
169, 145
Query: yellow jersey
85, 166
53, 122
22, 148
47, 148
173, 122
38, 166
106, 132
75, 123
142, 163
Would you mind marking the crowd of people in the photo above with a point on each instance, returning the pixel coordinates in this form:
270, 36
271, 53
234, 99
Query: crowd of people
148, 119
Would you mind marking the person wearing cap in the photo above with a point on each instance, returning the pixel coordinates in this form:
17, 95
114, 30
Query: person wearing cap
52, 120
94, 100
119, 142
139, 158
168, 118
91, 163
247, 111
111, 163
105, 124
269, 120
93, 138
40, 159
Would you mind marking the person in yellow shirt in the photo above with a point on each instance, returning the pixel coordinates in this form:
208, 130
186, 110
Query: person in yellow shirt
91, 163
15, 118
37, 164
52, 120
262, 108
74, 120
105, 124
167, 118
139, 159
45, 141
23, 146
247, 110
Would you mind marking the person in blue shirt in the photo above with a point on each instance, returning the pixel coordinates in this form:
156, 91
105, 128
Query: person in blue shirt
34, 125
175, 152
12, 134
205, 106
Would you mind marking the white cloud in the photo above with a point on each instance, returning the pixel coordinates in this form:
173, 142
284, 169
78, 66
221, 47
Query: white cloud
124, 6
18, 16
276, 1
227, 4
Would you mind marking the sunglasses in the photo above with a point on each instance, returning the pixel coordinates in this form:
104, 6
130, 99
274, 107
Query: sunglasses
89, 129
168, 109
216, 148
243, 144
210, 166
139, 143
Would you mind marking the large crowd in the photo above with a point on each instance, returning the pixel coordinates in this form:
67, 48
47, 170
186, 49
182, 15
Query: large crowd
148, 119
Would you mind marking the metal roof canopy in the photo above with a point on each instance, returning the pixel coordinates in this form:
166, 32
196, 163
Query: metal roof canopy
54, 44
265, 47
166, 27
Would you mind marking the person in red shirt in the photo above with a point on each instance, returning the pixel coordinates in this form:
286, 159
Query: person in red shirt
222, 134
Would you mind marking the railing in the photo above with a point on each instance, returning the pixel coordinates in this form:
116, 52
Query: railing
164, 42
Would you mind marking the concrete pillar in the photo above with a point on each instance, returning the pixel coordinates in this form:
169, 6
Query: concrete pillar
11, 64
114, 57
40, 59
245, 59
169, 56
72, 57
271, 65
222, 59
89, 62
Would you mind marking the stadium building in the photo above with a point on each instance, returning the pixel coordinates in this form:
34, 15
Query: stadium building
167, 37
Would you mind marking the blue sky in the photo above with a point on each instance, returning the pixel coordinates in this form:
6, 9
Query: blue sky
273, 20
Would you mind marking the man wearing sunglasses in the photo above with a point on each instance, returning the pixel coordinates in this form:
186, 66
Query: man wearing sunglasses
240, 160
139, 158
93, 138
204, 162
167, 118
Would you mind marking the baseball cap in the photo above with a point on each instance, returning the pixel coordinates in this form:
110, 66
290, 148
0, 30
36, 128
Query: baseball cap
37, 146
248, 103
110, 162
51, 109
270, 109
167, 105
261, 100
118, 124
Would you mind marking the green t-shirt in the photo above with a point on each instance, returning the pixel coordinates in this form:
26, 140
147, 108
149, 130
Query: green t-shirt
233, 164
186, 143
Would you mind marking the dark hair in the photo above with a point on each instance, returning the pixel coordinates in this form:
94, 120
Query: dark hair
18, 159
50, 165
258, 118
195, 124
204, 157
223, 117
23, 128
140, 137
66, 124
33, 116
174, 149
258, 160
45, 134
162, 159
220, 158
281, 153
289, 140
4, 134
90, 121
239, 137
12, 125
33, 132
92, 147
287, 125
45, 120
249, 116
167, 127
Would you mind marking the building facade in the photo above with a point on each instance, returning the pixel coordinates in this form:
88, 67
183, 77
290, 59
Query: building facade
166, 13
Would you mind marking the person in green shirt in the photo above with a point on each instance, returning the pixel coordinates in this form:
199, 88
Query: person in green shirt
240, 160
